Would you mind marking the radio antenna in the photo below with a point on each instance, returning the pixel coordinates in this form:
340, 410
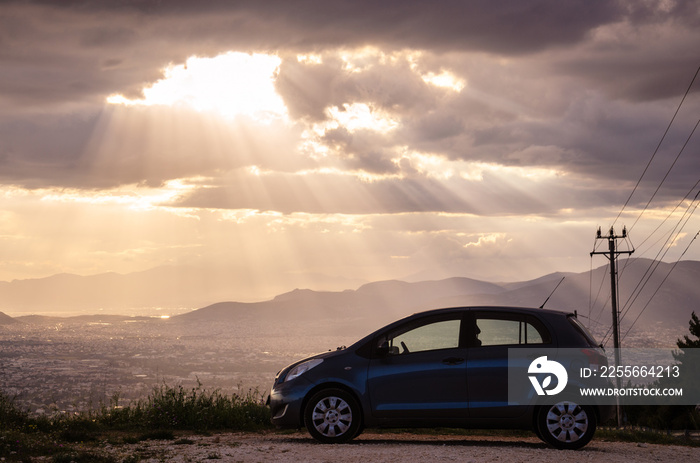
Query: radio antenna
550, 295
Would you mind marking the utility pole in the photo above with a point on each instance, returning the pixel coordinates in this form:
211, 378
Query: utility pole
612, 254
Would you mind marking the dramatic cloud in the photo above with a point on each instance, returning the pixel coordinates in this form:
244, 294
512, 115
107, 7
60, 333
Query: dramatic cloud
350, 139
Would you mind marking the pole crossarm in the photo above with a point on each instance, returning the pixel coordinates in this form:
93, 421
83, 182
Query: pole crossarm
612, 237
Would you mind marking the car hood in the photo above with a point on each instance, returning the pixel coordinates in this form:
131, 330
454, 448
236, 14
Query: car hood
320, 355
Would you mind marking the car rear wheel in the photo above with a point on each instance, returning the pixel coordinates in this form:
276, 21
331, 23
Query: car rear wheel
332, 416
566, 425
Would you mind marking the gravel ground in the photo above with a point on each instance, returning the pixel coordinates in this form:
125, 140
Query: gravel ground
369, 447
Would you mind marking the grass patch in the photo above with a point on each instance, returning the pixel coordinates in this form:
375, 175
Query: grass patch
165, 410
168, 413
196, 410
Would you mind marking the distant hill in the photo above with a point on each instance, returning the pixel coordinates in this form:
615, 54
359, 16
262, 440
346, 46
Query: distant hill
384, 298
166, 286
6, 319
587, 293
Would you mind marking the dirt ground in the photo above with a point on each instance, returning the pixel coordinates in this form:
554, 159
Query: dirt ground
375, 447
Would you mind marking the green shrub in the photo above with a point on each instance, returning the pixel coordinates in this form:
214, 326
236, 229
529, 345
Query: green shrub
62, 437
196, 409
10, 414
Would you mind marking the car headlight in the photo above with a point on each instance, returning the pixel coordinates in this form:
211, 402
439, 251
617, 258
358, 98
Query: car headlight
302, 368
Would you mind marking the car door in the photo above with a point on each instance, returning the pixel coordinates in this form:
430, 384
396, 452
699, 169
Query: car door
421, 372
493, 334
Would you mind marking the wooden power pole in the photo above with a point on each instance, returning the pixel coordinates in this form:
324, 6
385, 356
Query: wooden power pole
612, 254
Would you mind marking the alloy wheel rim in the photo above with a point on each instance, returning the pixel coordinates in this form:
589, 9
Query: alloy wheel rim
332, 416
567, 422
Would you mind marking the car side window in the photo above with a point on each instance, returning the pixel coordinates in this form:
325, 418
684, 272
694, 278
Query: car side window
442, 334
503, 331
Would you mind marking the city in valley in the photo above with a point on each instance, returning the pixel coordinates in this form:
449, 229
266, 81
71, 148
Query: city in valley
67, 365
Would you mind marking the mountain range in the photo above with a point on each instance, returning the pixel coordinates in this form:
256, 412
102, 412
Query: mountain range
667, 298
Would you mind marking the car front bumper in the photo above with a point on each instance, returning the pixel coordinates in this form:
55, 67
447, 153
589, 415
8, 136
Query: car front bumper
286, 402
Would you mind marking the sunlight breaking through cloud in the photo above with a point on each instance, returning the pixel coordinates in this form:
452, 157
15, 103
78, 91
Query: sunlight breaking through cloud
445, 79
230, 84
335, 144
360, 116
133, 197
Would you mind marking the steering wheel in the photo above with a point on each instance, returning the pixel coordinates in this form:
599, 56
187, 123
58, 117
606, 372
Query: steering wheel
405, 349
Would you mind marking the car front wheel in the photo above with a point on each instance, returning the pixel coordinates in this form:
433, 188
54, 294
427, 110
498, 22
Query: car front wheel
332, 416
566, 425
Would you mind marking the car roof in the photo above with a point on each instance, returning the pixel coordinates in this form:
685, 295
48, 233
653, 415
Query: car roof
495, 309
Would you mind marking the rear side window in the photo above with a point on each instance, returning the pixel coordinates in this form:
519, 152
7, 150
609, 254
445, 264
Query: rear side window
505, 331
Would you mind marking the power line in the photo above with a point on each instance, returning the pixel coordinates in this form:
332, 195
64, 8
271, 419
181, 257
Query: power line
659, 256
600, 288
661, 284
658, 146
652, 268
612, 238
592, 302
665, 247
687, 140
670, 214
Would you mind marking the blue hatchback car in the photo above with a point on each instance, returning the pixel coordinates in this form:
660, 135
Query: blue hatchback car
446, 368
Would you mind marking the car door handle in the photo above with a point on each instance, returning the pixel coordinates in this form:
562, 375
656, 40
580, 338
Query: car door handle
453, 360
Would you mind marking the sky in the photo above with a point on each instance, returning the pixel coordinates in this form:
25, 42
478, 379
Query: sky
325, 144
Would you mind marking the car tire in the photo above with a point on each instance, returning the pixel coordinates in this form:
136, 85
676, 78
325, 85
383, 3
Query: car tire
332, 416
536, 428
566, 425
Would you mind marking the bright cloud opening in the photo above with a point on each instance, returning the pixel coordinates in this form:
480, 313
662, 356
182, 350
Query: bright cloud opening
360, 116
352, 117
445, 80
231, 84
133, 197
